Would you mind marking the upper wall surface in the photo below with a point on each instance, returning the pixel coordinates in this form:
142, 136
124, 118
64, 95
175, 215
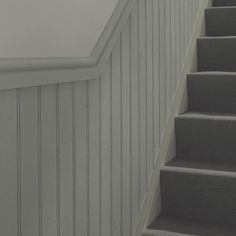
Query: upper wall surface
52, 28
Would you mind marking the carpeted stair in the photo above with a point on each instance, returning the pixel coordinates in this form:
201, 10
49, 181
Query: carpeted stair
198, 187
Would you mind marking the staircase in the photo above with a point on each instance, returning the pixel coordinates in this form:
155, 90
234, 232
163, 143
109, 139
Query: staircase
198, 187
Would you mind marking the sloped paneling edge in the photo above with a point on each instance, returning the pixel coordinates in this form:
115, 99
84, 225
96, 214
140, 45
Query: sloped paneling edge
152, 205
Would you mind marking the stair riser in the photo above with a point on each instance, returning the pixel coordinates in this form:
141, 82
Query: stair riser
217, 54
218, 3
199, 197
206, 139
214, 93
220, 21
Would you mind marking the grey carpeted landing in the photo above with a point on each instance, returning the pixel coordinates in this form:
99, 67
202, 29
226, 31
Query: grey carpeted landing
198, 187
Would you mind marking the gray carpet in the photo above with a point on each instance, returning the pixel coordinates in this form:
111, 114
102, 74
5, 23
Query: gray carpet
198, 187
217, 19
206, 137
212, 92
202, 165
219, 3
217, 54
191, 227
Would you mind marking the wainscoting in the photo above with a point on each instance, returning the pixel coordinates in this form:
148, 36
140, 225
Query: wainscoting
77, 158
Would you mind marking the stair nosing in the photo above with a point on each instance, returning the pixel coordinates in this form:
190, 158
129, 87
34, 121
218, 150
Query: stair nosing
216, 37
220, 7
197, 171
207, 116
158, 232
212, 73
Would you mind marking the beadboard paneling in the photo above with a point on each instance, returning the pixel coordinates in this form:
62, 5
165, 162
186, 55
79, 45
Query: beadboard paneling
77, 158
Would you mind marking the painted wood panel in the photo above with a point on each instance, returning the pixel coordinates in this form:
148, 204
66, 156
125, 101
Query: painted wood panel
30, 162
81, 158
77, 158
48, 160
8, 163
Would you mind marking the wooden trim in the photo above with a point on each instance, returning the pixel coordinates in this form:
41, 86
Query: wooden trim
30, 78
33, 64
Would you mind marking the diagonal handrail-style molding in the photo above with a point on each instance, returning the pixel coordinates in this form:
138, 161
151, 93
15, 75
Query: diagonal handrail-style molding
27, 72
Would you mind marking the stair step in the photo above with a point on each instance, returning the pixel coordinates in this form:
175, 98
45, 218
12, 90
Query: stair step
217, 54
217, 3
195, 194
166, 225
206, 137
202, 165
220, 21
212, 92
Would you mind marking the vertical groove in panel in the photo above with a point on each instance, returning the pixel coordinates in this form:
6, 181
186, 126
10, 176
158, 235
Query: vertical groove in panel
173, 50
100, 157
142, 99
116, 139
81, 158
181, 6
162, 56
177, 40
39, 162
94, 158
66, 159
121, 134
73, 158
153, 95
130, 128
18, 166
111, 143
48, 160
179, 26
150, 89
8, 163
156, 75
88, 163
192, 9
187, 21
134, 121
185, 26
167, 59
138, 104
58, 162
106, 151
125, 97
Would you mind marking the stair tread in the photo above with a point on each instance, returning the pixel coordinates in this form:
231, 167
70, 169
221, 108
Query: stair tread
199, 164
223, 7
207, 116
191, 227
219, 3
213, 73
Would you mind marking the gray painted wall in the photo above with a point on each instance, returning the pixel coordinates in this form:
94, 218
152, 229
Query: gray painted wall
77, 158
52, 28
